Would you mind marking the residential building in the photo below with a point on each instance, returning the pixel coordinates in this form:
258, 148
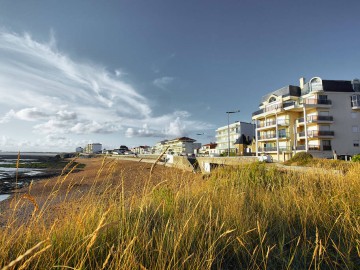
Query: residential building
208, 149
93, 148
321, 117
178, 146
141, 150
233, 132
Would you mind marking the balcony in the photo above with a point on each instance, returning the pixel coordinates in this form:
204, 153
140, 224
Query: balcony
319, 119
320, 133
302, 147
274, 149
317, 134
272, 136
355, 102
272, 123
267, 136
312, 102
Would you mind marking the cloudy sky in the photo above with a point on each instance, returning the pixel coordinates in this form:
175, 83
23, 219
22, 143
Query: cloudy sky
137, 72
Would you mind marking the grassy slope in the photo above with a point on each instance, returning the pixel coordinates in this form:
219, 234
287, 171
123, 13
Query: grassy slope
244, 218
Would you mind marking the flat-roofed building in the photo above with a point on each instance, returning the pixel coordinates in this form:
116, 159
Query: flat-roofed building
233, 132
320, 117
93, 148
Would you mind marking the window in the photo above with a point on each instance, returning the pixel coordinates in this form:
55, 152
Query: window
353, 115
356, 143
272, 99
322, 97
355, 129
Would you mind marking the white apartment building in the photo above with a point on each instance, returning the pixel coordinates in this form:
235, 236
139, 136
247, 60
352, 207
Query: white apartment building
178, 146
93, 148
321, 117
234, 131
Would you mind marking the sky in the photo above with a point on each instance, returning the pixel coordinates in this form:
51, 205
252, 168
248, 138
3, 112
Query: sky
135, 72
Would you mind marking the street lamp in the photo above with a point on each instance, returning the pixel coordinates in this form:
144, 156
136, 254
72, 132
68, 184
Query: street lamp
228, 113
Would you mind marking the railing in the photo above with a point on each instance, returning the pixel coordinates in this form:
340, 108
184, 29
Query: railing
267, 136
289, 103
317, 133
313, 101
301, 147
284, 135
274, 149
268, 123
258, 112
313, 147
317, 118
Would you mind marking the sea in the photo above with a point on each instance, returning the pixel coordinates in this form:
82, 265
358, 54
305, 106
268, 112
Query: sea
11, 158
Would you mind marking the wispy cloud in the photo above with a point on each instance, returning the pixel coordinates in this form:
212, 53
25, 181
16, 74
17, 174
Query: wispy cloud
163, 82
41, 84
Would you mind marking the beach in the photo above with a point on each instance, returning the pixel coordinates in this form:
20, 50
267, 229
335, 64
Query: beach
99, 174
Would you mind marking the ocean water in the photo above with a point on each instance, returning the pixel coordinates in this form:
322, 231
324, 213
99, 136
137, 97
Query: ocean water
4, 197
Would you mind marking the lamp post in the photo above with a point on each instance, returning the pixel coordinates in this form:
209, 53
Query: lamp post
228, 113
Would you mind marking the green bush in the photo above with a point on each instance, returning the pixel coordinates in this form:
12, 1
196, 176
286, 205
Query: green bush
301, 158
356, 158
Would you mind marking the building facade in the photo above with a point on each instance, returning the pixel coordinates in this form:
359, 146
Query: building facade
93, 148
321, 117
178, 146
234, 131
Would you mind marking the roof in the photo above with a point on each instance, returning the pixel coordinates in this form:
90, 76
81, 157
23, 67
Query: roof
242, 140
337, 86
289, 90
183, 139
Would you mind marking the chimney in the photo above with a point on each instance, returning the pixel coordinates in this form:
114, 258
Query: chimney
302, 82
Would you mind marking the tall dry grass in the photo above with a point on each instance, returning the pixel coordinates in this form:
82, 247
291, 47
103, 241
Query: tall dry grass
250, 217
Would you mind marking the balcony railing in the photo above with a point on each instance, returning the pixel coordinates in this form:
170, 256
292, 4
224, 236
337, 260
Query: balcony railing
313, 101
319, 118
267, 136
274, 149
317, 133
268, 123
301, 147
313, 147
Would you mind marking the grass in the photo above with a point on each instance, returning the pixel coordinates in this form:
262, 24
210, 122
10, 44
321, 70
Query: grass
250, 217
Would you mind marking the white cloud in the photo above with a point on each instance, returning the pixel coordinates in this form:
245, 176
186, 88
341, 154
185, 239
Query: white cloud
163, 82
63, 97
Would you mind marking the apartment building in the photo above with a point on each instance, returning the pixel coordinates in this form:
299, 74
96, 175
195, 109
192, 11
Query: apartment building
93, 148
177, 146
233, 131
321, 117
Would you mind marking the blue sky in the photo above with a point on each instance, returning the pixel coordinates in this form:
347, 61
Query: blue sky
137, 72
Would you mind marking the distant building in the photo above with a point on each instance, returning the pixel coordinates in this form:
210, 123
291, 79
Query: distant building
79, 150
319, 117
208, 149
93, 148
234, 131
141, 150
177, 146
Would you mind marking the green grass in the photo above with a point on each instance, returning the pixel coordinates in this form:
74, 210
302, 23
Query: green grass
250, 217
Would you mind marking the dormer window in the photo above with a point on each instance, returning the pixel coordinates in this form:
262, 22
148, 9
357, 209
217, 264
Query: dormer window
272, 99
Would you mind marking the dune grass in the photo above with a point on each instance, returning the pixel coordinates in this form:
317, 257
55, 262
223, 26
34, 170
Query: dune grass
250, 217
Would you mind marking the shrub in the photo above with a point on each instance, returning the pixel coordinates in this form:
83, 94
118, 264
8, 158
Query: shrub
301, 158
356, 158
